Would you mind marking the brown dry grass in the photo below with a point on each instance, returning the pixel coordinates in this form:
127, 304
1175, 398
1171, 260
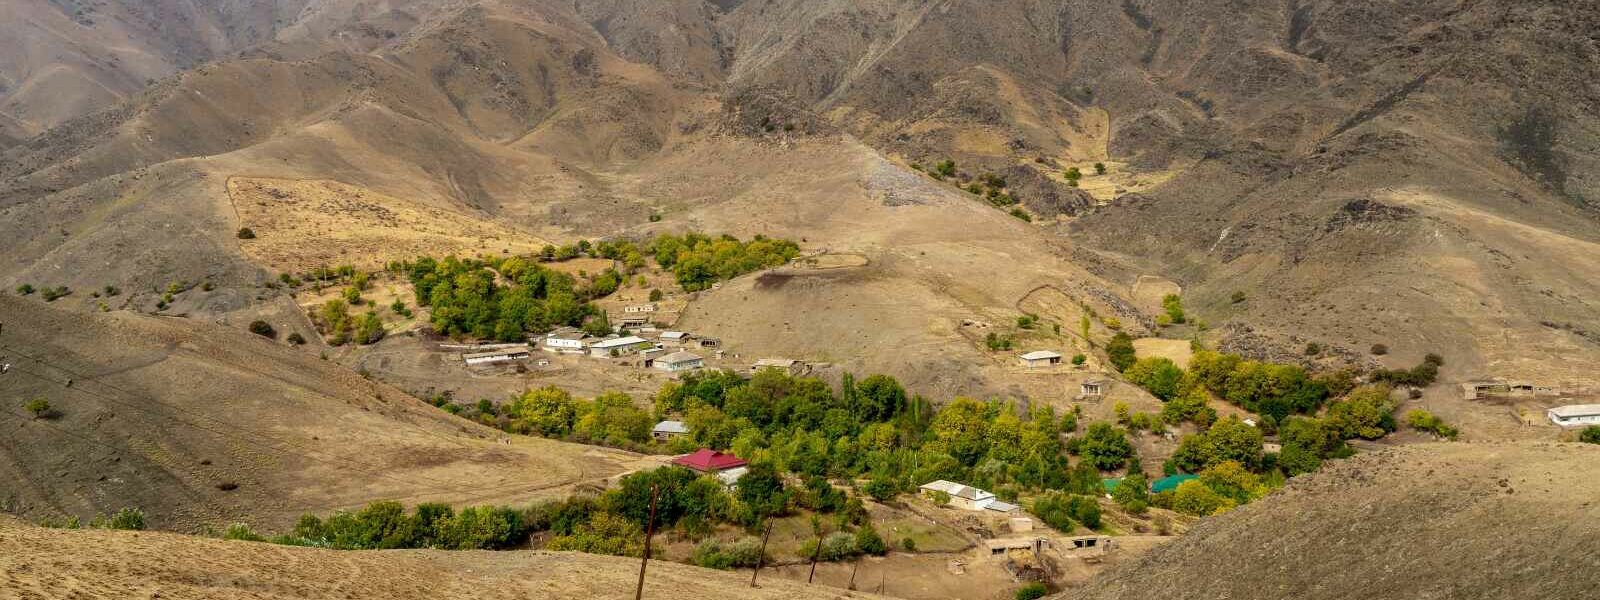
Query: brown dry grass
90, 564
300, 225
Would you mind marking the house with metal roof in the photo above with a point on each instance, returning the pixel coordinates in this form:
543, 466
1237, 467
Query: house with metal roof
679, 361
967, 497
1573, 415
618, 346
706, 460
667, 430
1040, 358
787, 365
495, 356
566, 340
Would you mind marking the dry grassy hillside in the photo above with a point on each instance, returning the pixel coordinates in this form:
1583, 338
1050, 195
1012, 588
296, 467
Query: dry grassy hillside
199, 424
1440, 521
54, 563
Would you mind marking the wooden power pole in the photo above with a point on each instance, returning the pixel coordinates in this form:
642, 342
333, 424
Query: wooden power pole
815, 556
649, 532
762, 557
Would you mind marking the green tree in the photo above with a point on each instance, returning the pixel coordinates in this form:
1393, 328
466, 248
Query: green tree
1132, 493
1196, 498
245, 233
1073, 174
1120, 351
1105, 447
869, 542
1099, 168
1173, 304
1159, 375
548, 411
1366, 413
761, 489
1032, 590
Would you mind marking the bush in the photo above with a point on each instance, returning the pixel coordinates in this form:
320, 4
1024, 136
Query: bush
910, 545
1021, 214
25, 289
1072, 174
1099, 168
38, 407
1238, 296
1173, 304
1379, 349
1033, 590
1194, 498
1132, 493
656, 295
997, 342
1590, 435
836, 547
245, 233
1422, 420
869, 542
263, 329
1313, 349
1079, 359
128, 519
242, 532
55, 293
296, 339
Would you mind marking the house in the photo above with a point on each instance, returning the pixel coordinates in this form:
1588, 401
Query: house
1084, 546
619, 346
1575, 414
640, 308
1041, 358
1093, 388
495, 356
710, 342
674, 338
633, 322
566, 340
966, 497
1003, 546
706, 460
679, 361
667, 430
650, 355
787, 365
1473, 390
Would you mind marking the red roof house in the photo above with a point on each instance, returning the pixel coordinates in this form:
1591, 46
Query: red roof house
709, 461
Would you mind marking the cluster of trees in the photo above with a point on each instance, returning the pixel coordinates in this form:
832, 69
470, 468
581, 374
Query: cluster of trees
1270, 389
1172, 304
993, 189
50, 294
387, 525
339, 327
502, 298
1420, 376
1422, 420
1061, 510
698, 261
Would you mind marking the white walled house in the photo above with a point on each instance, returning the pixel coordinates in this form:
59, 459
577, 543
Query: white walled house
1040, 358
1575, 415
679, 361
495, 356
566, 341
620, 346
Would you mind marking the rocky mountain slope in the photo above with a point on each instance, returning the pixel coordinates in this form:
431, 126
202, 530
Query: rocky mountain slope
1410, 173
1429, 521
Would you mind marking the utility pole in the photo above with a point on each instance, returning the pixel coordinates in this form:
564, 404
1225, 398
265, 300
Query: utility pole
762, 557
649, 532
815, 555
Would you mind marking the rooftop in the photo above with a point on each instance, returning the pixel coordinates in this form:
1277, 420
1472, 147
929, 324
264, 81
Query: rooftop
621, 341
494, 353
957, 490
775, 362
706, 460
1170, 482
673, 335
566, 334
671, 427
681, 356
1576, 410
1041, 355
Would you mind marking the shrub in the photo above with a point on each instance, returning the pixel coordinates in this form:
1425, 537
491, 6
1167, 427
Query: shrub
263, 329
997, 342
25, 289
1079, 359
129, 519
1590, 435
38, 407
1072, 174
1132, 493
296, 339
55, 293
1422, 420
1313, 349
1112, 323
1027, 321
836, 547
869, 542
1033, 590
1099, 168
656, 295
1238, 296
245, 233
1173, 304
242, 532
910, 545
1379, 349
1021, 214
